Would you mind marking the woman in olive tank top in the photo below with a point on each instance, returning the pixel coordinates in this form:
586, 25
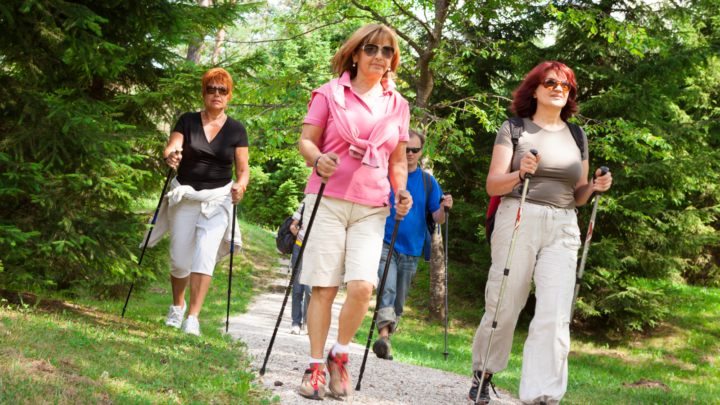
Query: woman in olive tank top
548, 238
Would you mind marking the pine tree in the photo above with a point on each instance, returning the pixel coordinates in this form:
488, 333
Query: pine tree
83, 88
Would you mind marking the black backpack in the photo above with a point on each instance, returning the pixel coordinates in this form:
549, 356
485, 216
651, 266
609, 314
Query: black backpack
517, 126
285, 240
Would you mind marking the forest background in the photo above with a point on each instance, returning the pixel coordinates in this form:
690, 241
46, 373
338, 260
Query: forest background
90, 89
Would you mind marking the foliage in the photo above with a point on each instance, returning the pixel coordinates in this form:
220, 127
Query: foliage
277, 189
84, 91
79, 138
646, 118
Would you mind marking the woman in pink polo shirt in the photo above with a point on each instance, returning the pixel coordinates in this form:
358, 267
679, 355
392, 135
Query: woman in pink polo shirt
364, 120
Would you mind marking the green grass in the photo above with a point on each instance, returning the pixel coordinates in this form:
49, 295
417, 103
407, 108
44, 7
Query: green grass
82, 352
683, 353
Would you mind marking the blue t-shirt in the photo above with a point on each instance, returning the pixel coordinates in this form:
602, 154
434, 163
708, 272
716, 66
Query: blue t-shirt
411, 234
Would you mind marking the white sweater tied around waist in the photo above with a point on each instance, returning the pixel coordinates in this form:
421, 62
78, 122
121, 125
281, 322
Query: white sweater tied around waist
213, 202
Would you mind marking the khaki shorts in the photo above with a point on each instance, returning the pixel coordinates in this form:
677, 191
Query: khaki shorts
346, 238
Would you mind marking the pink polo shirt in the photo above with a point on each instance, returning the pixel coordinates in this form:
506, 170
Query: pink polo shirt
353, 181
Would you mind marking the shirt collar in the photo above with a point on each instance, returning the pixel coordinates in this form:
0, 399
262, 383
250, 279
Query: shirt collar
388, 84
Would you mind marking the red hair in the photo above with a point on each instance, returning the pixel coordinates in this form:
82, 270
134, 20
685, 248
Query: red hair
217, 75
524, 104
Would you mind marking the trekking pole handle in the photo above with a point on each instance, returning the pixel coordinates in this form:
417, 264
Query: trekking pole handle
603, 171
402, 196
447, 209
334, 158
528, 175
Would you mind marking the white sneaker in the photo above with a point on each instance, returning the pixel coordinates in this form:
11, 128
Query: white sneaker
191, 326
295, 330
303, 331
175, 316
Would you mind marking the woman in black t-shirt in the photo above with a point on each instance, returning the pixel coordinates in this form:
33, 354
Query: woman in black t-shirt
203, 147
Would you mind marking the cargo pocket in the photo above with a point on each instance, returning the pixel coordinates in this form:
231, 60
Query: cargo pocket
571, 237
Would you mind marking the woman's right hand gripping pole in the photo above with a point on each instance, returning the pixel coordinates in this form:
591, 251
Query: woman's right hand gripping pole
529, 163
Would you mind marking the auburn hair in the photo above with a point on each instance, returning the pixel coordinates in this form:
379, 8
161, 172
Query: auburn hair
218, 75
368, 33
524, 104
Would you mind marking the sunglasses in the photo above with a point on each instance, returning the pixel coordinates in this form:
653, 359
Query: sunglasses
372, 49
551, 84
220, 89
413, 150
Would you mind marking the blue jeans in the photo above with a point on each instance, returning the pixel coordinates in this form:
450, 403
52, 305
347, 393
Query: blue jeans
299, 308
397, 286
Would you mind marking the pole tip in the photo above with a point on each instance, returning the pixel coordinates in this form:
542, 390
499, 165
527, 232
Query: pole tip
262, 371
445, 354
357, 387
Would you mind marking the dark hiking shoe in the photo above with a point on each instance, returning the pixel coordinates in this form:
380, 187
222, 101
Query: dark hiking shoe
543, 403
484, 392
340, 383
382, 347
313, 382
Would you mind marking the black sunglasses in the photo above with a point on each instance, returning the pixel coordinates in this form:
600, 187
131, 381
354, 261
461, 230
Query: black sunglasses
372, 49
551, 84
212, 89
413, 150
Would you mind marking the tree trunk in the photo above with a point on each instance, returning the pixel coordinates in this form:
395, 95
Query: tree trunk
219, 40
436, 302
195, 49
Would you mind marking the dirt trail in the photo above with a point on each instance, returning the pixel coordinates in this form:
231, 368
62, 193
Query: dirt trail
384, 382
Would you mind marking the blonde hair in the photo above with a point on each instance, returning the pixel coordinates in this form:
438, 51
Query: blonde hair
368, 33
219, 75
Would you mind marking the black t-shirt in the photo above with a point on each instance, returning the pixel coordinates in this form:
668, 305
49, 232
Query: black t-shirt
206, 165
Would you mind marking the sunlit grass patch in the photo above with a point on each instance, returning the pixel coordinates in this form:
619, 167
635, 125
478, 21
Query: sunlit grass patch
82, 352
683, 353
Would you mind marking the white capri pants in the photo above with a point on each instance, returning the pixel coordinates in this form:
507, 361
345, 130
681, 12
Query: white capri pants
346, 237
546, 251
194, 239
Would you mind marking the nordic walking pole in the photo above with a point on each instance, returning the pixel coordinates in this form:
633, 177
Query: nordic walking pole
232, 253
506, 272
578, 279
148, 238
306, 238
447, 217
402, 196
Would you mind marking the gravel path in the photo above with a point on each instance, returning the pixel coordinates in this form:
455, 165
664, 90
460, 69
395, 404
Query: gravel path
384, 382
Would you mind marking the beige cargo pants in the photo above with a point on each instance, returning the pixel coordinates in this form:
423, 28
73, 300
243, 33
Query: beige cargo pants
546, 252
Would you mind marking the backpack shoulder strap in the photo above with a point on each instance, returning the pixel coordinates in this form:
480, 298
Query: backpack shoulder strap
427, 185
577, 134
517, 126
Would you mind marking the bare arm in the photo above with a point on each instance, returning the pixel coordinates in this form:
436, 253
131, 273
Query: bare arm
173, 151
242, 173
583, 188
308, 145
242, 167
397, 167
500, 180
439, 215
397, 172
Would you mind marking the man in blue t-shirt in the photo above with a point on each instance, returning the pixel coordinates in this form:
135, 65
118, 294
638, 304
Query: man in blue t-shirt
408, 243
